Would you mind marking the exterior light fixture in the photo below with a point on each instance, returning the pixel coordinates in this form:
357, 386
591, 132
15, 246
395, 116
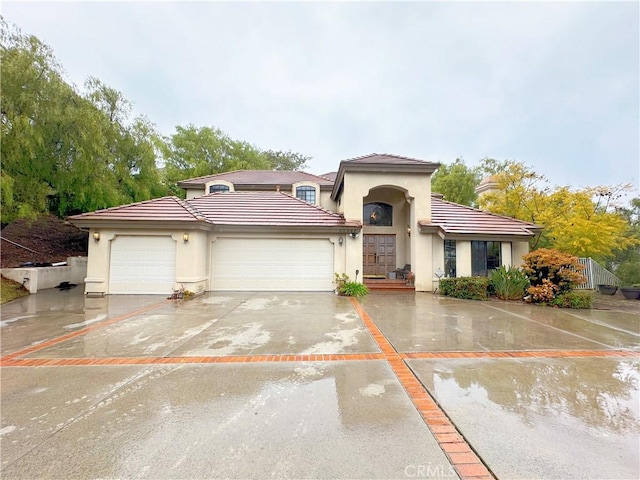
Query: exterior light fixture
185, 237
340, 240
408, 230
354, 234
96, 236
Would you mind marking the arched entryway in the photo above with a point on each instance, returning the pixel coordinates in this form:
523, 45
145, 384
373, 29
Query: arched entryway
385, 219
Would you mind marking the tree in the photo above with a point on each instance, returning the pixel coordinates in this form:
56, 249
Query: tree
456, 182
584, 222
64, 151
198, 151
286, 161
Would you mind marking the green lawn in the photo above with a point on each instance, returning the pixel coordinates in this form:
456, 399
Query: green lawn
11, 290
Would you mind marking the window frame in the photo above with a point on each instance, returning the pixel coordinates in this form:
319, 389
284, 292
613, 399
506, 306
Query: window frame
486, 255
450, 258
385, 210
306, 190
219, 188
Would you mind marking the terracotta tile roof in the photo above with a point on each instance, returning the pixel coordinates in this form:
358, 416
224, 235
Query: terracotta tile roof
265, 209
159, 209
259, 177
385, 158
459, 219
330, 176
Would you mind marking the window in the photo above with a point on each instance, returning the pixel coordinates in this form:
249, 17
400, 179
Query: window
218, 188
485, 256
308, 194
450, 258
378, 214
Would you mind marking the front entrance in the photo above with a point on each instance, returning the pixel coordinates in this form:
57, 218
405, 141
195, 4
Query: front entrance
379, 255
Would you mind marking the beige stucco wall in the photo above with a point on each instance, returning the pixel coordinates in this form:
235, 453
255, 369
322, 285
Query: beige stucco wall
191, 272
416, 188
193, 258
519, 249
463, 258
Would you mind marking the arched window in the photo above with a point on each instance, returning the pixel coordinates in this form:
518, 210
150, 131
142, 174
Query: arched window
218, 188
378, 214
308, 194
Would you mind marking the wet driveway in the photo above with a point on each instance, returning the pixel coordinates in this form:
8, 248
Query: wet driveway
311, 385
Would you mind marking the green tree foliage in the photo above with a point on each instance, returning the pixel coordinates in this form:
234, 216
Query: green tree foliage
584, 222
198, 151
456, 182
64, 151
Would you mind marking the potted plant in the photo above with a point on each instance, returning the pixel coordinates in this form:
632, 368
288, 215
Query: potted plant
607, 289
631, 293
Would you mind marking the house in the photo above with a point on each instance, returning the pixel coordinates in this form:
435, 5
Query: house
274, 230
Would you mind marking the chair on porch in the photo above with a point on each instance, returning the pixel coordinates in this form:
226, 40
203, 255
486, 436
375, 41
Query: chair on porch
402, 273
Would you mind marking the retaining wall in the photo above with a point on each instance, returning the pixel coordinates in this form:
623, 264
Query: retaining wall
41, 278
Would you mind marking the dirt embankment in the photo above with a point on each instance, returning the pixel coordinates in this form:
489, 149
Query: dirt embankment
47, 239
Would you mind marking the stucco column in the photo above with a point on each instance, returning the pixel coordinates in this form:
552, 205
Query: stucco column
98, 262
463, 258
421, 245
192, 260
505, 254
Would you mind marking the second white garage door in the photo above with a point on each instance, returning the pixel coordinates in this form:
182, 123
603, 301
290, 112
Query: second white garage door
272, 264
142, 265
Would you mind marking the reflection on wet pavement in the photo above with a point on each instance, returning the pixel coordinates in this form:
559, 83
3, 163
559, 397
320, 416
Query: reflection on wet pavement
543, 418
338, 420
428, 323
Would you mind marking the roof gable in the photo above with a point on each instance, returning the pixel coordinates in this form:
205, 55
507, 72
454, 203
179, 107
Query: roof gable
453, 218
258, 177
159, 209
264, 209
387, 159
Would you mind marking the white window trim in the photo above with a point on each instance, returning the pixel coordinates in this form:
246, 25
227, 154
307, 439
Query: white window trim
315, 186
218, 182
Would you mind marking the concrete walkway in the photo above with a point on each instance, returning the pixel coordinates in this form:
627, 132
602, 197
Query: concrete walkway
256, 385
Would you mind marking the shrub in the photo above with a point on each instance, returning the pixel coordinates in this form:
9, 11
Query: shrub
573, 300
551, 273
347, 288
561, 269
472, 288
508, 283
544, 293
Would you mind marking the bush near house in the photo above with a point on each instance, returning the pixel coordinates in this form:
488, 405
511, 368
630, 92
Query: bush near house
348, 288
573, 300
553, 275
471, 288
508, 283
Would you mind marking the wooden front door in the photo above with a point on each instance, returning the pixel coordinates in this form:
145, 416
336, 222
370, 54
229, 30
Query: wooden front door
379, 255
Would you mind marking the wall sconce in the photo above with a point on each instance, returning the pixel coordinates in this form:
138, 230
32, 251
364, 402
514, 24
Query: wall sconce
340, 240
408, 230
354, 234
185, 237
96, 236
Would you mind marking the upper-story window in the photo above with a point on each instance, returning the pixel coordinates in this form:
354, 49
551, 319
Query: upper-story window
218, 188
308, 194
378, 214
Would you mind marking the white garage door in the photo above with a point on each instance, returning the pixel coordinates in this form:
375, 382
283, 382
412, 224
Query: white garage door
142, 265
272, 264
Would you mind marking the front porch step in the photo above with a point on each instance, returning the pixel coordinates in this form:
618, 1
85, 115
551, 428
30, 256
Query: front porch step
388, 284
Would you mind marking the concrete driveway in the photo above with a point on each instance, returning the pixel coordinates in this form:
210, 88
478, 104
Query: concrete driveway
304, 385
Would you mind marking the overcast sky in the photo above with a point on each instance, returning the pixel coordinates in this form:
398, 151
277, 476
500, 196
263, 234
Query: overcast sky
553, 85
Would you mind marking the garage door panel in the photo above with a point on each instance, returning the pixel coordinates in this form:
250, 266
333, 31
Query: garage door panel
140, 265
272, 264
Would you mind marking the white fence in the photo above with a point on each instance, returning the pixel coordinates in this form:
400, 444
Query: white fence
596, 275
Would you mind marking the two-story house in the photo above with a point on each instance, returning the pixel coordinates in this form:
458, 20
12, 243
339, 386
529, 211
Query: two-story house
284, 230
